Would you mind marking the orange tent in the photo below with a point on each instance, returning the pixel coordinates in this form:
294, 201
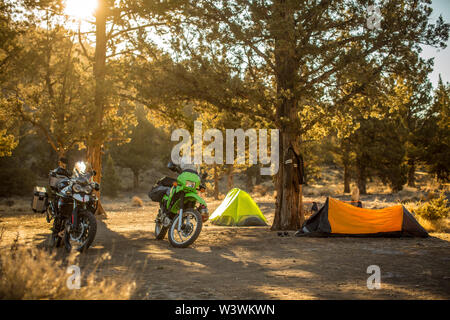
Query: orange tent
340, 218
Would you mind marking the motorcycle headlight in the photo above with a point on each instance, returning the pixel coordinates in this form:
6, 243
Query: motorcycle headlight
76, 188
88, 189
190, 184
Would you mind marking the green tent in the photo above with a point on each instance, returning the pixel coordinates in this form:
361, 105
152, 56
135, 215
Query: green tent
238, 209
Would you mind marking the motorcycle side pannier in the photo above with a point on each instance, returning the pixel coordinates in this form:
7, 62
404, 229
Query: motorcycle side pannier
157, 193
40, 200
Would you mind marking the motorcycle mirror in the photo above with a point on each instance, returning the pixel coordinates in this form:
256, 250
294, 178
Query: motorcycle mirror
172, 166
94, 173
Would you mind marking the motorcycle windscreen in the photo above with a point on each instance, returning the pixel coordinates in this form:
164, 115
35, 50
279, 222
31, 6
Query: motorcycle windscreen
347, 219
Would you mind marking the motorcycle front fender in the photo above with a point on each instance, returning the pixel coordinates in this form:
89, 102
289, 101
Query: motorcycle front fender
75, 215
82, 198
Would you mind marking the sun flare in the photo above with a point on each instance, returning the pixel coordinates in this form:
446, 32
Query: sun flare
80, 8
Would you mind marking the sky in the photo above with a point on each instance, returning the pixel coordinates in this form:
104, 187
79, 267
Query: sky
441, 57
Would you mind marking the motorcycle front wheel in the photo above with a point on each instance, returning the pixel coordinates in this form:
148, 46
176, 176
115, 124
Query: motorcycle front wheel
191, 226
82, 238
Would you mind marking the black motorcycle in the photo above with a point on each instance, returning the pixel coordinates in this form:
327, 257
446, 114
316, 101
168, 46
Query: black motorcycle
72, 206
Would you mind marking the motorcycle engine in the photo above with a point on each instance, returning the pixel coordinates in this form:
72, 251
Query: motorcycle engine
166, 221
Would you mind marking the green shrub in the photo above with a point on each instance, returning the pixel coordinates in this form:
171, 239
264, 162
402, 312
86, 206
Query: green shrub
433, 210
16, 181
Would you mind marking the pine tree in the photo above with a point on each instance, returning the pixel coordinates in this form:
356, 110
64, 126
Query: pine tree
111, 182
146, 144
436, 134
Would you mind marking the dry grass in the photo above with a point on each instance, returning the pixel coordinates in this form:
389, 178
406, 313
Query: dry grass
15, 204
321, 191
439, 226
409, 194
261, 190
431, 186
31, 273
137, 202
292, 268
436, 225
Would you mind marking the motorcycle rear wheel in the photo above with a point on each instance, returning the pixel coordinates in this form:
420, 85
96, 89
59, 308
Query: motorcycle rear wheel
160, 231
54, 241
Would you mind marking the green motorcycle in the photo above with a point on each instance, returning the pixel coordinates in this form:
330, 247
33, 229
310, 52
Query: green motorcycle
182, 211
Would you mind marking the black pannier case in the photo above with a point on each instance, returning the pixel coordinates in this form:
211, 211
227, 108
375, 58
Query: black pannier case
166, 182
157, 193
160, 188
40, 200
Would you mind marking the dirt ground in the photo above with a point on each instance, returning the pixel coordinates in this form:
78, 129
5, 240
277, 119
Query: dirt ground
249, 262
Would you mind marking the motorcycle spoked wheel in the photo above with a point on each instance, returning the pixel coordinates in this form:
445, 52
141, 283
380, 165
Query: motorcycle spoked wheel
160, 229
49, 212
84, 236
55, 240
189, 231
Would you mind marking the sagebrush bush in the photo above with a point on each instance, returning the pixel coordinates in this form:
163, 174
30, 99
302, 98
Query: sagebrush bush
36, 274
137, 202
433, 210
261, 190
433, 226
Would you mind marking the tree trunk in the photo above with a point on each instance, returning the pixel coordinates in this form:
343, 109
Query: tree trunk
362, 179
345, 149
216, 183
301, 216
94, 158
258, 177
135, 179
95, 141
61, 153
230, 176
411, 173
249, 179
288, 212
346, 178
